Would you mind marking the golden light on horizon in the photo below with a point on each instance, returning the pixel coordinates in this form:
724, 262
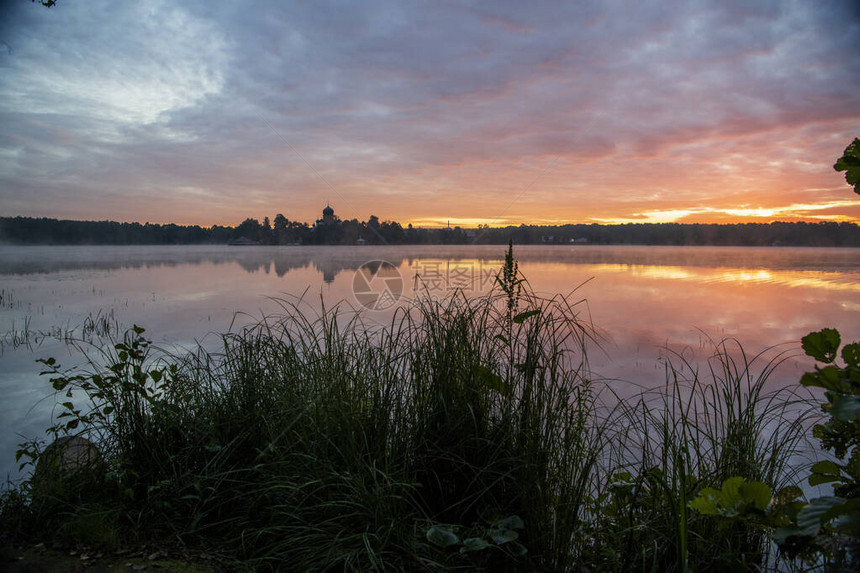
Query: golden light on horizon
792, 212
466, 222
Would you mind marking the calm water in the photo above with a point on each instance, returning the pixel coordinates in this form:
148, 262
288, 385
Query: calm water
642, 299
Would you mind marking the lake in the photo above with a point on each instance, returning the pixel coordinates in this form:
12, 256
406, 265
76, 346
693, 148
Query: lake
642, 300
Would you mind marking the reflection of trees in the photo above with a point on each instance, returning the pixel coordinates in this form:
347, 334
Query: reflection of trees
333, 260
328, 260
283, 266
31, 260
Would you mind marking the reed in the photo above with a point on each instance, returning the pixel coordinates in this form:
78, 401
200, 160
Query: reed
705, 426
464, 434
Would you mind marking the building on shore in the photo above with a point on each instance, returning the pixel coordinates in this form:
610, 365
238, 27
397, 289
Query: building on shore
328, 216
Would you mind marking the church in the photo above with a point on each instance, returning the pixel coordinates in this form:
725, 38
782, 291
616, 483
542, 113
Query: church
327, 218
328, 215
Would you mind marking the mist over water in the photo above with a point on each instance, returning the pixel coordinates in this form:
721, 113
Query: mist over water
645, 302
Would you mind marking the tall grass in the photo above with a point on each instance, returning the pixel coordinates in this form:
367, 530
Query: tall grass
360, 439
699, 430
315, 441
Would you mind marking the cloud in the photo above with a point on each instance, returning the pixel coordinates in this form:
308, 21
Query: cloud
638, 108
146, 62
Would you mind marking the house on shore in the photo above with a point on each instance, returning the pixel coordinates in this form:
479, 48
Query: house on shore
242, 242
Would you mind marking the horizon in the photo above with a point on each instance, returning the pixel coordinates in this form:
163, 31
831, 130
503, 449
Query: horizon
458, 225
209, 113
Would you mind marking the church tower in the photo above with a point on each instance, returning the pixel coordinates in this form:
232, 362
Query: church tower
328, 215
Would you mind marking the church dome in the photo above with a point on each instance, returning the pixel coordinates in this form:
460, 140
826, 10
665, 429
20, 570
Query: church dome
328, 211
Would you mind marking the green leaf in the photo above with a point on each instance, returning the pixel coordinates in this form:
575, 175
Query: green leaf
790, 510
500, 536
826, 467
518, 549
729, 494
735, 495
705, 502
521, 317
849, 517
788, 494
845, 408
822, 345
442, 536
491, 380
827, 378
850, 164
782, 534
851, 354
156, 375
510, 522
852, 468
59, 383
816, 513
818, 479
474, 544
756, 493
654, 476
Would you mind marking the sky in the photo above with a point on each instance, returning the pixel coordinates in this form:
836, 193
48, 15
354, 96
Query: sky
209, 112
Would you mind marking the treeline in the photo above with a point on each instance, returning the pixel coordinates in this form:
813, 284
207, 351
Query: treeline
44, 231
283, 231
825, 234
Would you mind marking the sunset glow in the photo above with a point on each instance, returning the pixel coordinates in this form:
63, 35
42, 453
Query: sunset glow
211, 112
808, 212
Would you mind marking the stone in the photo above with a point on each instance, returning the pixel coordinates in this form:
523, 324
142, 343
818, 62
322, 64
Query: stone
65, 456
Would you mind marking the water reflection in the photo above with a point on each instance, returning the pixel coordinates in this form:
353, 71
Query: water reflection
331, 260
641, 298
840, 281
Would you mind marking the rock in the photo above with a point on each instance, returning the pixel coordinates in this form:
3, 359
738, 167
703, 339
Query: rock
66, 456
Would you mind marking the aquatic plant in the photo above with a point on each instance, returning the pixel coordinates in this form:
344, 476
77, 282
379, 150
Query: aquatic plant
466, 433
705, 426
